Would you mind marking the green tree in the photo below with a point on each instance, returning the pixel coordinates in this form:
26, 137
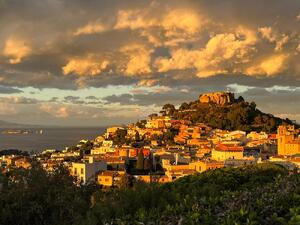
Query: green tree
148, 164
140, 160
137, 136
169, 109
184, 106
119, 137
36, 197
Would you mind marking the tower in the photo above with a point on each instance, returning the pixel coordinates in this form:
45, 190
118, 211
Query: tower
285, 135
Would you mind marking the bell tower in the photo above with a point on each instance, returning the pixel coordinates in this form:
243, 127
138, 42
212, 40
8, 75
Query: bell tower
281, 131
285, 135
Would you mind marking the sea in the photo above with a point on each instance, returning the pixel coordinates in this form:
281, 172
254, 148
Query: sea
48, 138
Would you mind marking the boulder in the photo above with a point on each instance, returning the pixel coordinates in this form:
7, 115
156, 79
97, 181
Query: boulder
220, 98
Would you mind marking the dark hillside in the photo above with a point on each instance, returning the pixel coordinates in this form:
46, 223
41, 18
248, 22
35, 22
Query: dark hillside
235, 115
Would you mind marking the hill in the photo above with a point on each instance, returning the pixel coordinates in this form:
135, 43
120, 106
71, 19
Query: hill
5, 124
223, 111
12, 125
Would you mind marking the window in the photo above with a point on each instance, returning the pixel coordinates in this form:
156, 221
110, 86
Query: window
81, 171
75, 171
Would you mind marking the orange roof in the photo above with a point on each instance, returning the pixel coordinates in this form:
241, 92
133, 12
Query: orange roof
232, 148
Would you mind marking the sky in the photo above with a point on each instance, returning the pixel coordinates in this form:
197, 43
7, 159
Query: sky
98, 63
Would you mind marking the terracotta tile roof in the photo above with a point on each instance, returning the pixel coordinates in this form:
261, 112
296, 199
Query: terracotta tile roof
231, 148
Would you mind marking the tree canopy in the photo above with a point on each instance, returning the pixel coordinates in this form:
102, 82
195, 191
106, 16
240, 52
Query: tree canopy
260, 194
239, 115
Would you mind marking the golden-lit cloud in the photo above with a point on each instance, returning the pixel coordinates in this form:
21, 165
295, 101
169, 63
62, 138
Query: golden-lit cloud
90, 28
173, 42
269, 66
154, 48
138, 59
134, 19
274, 37
168, 28
221, 54
16, 49
185, 20
88, 66
148, 82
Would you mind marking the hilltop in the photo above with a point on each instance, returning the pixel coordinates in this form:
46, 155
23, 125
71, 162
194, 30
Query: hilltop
223, 111
6, 124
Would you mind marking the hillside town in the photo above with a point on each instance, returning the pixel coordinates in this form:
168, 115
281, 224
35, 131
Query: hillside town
163, 149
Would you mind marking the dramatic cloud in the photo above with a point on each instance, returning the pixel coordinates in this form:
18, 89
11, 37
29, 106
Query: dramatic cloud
9, 90
148, 83
146, 98
16, 49
155, 50
91, 28
270, 66
144, 39
222, 54
139, 60
85, 66
274, 37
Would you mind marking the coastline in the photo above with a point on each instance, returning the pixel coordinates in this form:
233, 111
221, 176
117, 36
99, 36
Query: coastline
51, 138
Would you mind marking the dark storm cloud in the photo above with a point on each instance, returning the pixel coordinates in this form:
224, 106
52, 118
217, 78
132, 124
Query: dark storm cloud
279, 99
9, 90
73, 99
151, 98
254, 12
91, 97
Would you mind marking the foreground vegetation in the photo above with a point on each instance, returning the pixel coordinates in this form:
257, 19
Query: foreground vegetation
263, 194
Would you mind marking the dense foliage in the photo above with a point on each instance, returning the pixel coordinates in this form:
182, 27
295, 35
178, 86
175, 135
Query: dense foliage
239, 115
263, 194
13, 152
36, 197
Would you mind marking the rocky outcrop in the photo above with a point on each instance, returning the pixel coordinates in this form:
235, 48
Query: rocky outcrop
220, 98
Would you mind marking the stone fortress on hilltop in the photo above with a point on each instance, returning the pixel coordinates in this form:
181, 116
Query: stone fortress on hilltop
220, 98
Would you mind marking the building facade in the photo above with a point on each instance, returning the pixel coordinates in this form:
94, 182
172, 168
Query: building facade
288, 143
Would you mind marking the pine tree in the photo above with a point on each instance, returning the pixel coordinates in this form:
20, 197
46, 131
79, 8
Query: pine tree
140, 161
